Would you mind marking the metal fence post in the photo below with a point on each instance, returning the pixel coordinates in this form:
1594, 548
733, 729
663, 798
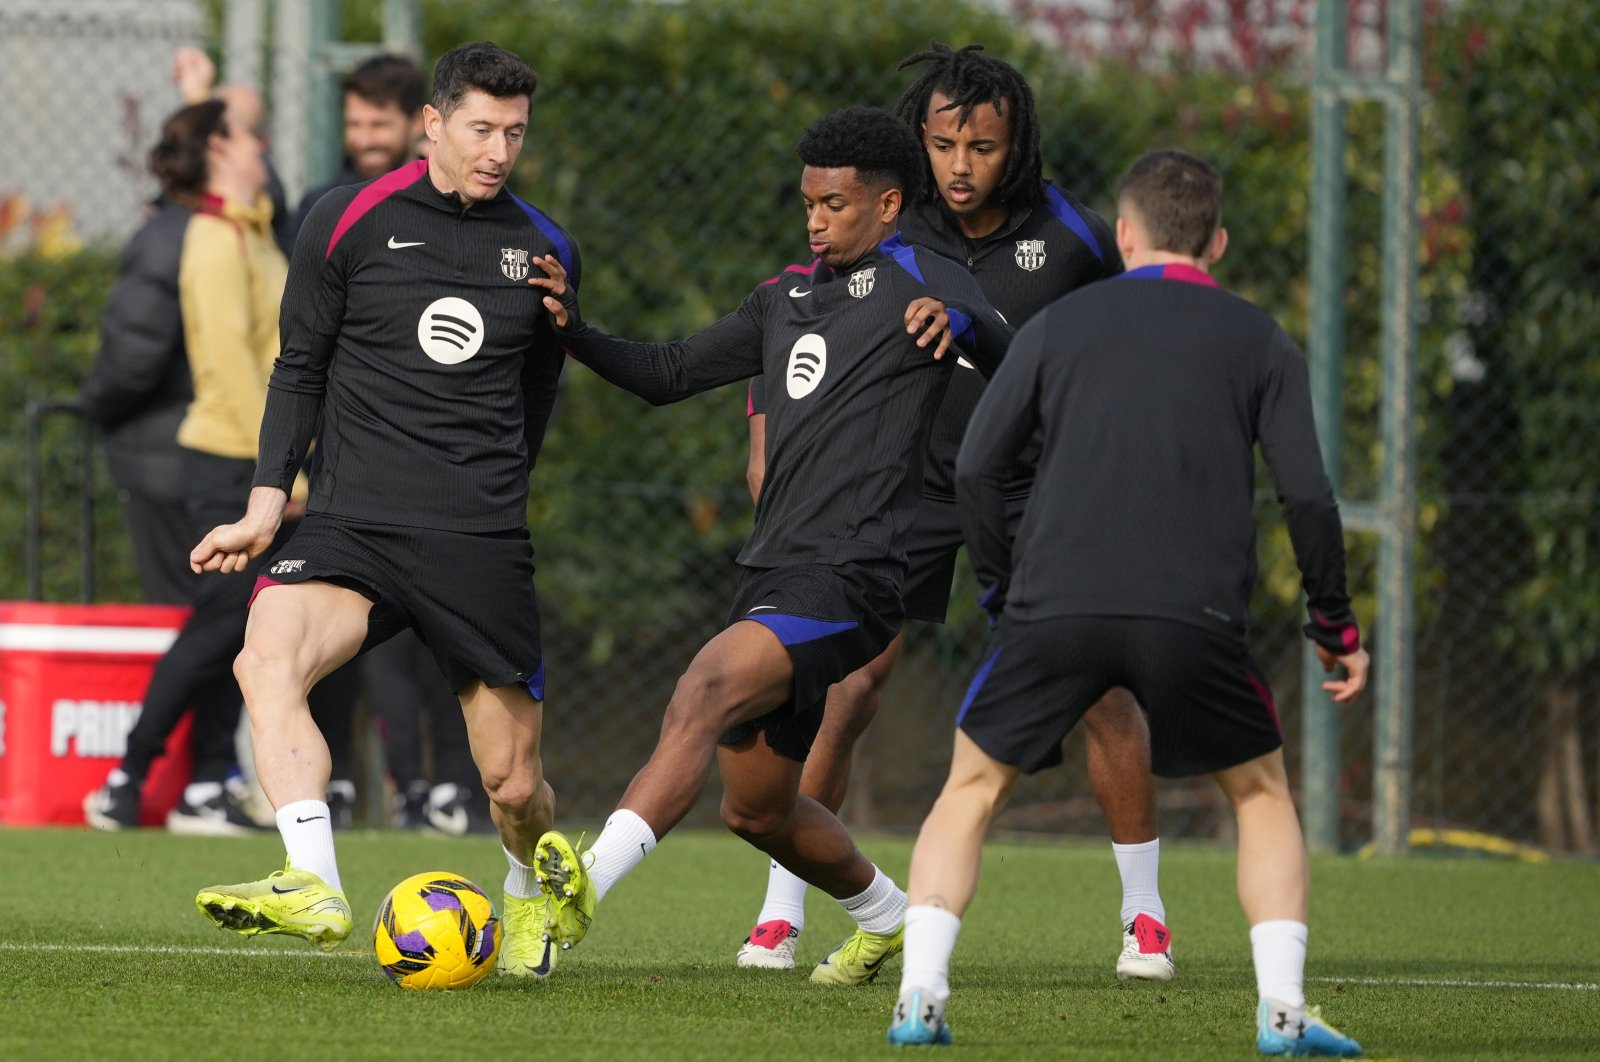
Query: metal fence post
1319, 739
1393, 737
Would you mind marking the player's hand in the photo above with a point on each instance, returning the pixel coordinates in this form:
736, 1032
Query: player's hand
927, 315
229, 547
559, 299
1355, 666
194, 73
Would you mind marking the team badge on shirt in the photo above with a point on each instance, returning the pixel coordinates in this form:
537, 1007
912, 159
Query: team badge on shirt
1030, 254
514, 263
861, 282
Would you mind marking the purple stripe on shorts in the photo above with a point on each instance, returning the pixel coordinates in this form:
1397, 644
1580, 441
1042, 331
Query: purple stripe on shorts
977, 684
793, 630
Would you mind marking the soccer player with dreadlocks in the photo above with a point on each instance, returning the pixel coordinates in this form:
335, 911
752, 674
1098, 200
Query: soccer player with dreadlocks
1027, 242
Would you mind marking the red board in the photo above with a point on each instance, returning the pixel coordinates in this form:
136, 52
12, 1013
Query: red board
71, 681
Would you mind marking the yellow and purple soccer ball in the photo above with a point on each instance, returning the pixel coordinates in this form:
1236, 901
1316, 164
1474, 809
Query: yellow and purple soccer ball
436, 930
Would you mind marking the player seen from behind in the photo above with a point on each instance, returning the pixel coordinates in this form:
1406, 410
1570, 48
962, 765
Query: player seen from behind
1133, 567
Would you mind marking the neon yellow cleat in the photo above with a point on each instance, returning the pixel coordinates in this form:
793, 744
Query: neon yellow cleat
287, 901
568, 889
859, 958
523, 950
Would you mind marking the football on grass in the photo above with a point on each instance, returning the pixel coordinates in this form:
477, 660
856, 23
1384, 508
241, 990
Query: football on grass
436, 930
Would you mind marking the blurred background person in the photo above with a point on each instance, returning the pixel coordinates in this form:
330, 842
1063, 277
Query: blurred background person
195, 75
136, 394
230, 276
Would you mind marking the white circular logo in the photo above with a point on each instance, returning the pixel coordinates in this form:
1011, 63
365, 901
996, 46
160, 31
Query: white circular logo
450, 331
808, 360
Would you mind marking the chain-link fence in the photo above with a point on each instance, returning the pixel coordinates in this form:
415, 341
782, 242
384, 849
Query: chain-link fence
663, 139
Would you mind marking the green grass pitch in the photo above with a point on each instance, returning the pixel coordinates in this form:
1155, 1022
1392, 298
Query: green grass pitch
102, 955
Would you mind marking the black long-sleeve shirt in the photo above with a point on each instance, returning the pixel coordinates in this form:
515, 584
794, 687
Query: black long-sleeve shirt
849, 393
1042, 252
1151, 392
409, 327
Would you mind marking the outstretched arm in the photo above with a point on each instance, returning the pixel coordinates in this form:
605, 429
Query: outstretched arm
728, 350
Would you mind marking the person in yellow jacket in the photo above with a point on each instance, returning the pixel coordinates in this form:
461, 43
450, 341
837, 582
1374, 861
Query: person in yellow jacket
230, 281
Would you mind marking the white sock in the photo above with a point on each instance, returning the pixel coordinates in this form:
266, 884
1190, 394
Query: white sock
881, 908
200, 792
930, 938
621, 846
1279, 950
1140, 865
786, 899
520, 879
308, 839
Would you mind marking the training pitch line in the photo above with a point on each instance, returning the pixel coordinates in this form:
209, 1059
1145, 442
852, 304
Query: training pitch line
180, 949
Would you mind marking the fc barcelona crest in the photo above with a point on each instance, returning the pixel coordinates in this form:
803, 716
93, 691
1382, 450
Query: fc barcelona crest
1030, 254
514, 263
861, 282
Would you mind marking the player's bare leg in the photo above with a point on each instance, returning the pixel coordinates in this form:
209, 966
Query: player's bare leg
739, 675
504, 726
1119, 771
1274, 889
762, 804
1274, 879
296, 634
852, 704
944, 878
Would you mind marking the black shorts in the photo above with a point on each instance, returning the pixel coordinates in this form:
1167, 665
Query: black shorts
931, 556
469, 597
832, 620
1207, 702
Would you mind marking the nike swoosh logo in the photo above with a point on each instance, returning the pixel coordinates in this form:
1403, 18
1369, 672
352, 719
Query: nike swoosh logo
311, 818
543, 969
795, 293
758, 608
874, 965
393, 246
297, 888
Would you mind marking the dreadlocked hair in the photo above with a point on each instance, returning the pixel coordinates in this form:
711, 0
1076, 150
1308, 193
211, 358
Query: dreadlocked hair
970, 80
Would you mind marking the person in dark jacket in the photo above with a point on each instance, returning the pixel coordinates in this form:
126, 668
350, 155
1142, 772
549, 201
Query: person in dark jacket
136, 393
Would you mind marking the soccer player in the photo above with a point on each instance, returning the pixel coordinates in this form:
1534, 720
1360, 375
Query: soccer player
1027, 242
409, 331
1133, 567
852, 346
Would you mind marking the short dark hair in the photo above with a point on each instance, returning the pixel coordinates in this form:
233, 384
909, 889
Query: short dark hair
970, 80
387, 78
179, 158
1178, 198
483, 66
875, 142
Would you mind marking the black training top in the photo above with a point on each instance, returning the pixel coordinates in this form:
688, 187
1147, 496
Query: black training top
1151, 391
1040, 254
849, 393
409, 327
